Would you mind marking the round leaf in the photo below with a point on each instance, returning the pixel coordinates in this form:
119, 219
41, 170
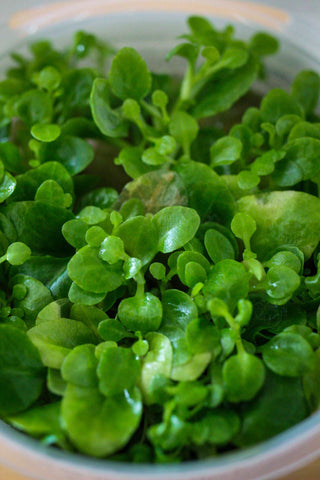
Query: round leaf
92, 274
99, 425
243, 376
118, 370
176, 227
141, 314
45, 133
288, 354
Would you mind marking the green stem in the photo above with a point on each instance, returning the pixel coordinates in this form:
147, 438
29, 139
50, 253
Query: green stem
150, 109
236, 328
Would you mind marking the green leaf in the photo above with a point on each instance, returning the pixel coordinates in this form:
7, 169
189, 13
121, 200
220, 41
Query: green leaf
92, 274
305, 89
29, 182
225, 151
37, 297
55, 338
84, 297
229, 281
11, 157
54, 311
142, 314
184, 128
247, 180
158, 361
74, 231
194, 274
39, 421
50, 192
288, 354
176, 227
207, 192
281, 282
18, 253
99, 425
118, 370
34, 106
283, 218
89, 315
80, 366
49, 78
7, 187
112, 249
178, 311
274, 403
185, 50
278, 103
300, 162
202, 336
225, 91
243, 375
131, 160
108, 120
185, 258
129, 76
192, 368
243, 226
55, 382
140, 238
103, 197
21, 371
45, 133
263, 44
39, 226
112, 330
73, 153
158, 270
304, 129
218, 246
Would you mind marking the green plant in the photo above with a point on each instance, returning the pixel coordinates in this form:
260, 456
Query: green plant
164, 318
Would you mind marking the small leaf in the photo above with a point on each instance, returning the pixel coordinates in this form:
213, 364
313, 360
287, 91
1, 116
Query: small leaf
243, 226
7, 186
263, 44
50, 192
288, 354
218, 246
92, 274
92, 215
56, 338
112, 330
18, 253
176, 227
229, 281
112, 249
45, 133
184, 128
80, 366
305, 89
278, 103
83, 297
74, 153
118, 370
225, 151
129, 76
108, 120
141, 314
243, 375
